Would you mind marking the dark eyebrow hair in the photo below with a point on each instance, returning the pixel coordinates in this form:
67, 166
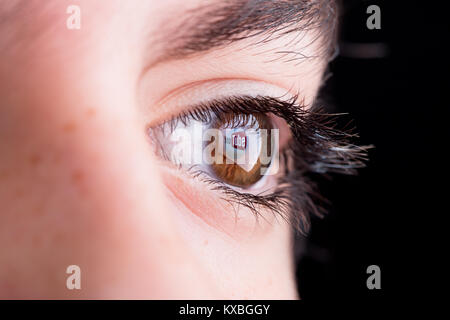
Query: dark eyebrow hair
221, 23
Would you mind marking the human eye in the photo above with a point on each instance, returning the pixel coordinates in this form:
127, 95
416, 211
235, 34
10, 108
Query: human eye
258, 151
230, 140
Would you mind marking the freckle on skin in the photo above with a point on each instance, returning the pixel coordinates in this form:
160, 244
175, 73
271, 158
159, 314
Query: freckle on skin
69, 127
205, 242
35, 159
77, 176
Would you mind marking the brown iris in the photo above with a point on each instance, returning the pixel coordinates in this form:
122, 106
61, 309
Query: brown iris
239, 158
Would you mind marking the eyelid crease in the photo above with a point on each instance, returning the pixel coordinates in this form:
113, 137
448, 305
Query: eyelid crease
226, 87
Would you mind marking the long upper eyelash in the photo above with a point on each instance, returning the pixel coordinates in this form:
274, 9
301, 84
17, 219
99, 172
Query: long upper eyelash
317, 147
322, 146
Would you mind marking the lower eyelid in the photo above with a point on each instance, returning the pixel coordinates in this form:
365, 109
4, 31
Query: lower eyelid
191, 94
211, 208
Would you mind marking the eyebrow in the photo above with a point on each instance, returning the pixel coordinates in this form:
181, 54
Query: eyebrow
223, 23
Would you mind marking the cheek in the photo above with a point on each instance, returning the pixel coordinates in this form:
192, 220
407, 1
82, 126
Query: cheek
256, 266
245, 258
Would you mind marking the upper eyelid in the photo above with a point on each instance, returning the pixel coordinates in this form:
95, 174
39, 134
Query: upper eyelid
192, 95
252, 85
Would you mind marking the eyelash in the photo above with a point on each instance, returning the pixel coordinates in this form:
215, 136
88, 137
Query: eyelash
316, 146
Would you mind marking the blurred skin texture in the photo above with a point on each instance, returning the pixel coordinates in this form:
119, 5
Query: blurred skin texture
79, 183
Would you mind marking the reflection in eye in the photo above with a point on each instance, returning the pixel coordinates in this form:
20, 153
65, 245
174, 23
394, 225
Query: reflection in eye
247, 142
241, 148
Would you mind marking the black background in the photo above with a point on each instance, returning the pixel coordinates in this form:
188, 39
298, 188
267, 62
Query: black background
384, 216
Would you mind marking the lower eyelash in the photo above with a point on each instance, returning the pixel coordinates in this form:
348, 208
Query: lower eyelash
275, 202
295, 199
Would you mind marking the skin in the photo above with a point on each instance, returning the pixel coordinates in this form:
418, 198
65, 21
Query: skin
79, 183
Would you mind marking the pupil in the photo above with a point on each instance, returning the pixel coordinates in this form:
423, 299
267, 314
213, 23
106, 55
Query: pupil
238, 162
